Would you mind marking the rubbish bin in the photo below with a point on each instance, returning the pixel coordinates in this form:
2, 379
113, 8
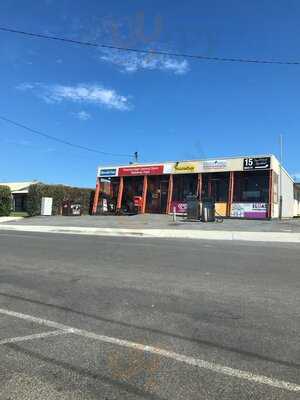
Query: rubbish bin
76, 210
66, 208
192, 207
208, 210
70, 209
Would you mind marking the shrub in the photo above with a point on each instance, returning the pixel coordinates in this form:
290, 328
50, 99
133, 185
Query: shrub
59, 193
5, 201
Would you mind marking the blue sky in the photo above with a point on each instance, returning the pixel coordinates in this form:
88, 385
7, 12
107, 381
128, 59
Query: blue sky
165, 108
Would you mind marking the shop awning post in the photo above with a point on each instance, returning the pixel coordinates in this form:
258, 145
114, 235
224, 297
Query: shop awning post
120, 193
96, 197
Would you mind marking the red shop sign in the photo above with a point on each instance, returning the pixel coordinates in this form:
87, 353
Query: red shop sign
144, 170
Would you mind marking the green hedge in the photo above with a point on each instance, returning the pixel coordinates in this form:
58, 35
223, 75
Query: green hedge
5, 201
59, 193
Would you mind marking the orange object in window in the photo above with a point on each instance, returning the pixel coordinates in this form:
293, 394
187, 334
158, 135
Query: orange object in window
138, 201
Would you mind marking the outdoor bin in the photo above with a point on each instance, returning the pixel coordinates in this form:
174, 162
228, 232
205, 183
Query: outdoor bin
76, 210
193, 207
70, 209
208, 210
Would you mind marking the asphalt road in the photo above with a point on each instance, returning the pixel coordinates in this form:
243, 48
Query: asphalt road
121, 318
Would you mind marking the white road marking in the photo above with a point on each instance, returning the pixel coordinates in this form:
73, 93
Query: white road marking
33, 336
196, 362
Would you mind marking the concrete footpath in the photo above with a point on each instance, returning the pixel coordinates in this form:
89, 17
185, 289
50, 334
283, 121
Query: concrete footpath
10, 219
161, 226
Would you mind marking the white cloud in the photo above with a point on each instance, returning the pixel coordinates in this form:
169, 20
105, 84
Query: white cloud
83, 115
83, 93
132, 62
26, 86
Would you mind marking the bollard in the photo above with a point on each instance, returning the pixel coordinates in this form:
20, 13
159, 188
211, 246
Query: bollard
174, 214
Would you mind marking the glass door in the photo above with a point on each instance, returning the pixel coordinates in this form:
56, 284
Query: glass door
157, 194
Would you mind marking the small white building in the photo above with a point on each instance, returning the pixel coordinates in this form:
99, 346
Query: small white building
19, 191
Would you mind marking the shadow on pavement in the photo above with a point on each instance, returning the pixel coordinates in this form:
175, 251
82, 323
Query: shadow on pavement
84, 372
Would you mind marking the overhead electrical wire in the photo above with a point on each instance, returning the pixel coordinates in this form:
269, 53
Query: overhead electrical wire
62, 141
143, 51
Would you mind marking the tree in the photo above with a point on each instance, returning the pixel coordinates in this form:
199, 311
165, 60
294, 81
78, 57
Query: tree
5, 201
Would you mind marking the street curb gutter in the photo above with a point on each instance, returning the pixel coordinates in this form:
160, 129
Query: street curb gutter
160, 233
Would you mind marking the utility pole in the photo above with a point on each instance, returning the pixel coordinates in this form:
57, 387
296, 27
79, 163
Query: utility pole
281, 160
136, 156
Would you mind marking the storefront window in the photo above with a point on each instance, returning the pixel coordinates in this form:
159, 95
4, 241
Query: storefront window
133, 186
157, 194
252, 187
114, 188
215, 185
184, 185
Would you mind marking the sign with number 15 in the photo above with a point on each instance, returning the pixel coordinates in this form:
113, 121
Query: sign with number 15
257, 163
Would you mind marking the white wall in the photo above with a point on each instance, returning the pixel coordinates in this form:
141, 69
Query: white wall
296, 202
287, 195
288, 202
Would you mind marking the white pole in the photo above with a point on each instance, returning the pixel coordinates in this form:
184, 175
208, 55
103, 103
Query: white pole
281, 161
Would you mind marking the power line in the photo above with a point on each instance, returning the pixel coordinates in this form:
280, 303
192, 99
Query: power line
154, 52
45, 135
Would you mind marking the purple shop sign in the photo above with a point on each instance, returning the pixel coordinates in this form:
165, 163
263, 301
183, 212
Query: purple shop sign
256, 214
179, 206
249, 210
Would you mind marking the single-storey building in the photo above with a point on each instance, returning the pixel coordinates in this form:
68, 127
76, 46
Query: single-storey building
19, 191
240, 187
297, 199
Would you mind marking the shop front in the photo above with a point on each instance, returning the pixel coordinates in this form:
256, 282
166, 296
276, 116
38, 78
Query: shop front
241, 187
157, 194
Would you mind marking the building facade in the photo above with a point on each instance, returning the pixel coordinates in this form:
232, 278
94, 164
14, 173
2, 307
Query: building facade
297, 199
19, 192
241, 187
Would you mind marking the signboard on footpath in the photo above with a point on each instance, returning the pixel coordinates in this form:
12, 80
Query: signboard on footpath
141, 170
180, 207
249, 210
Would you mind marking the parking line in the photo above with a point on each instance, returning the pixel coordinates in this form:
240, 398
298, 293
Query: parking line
196, 362
34, 336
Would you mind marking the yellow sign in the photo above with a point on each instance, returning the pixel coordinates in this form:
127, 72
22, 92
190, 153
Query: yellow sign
185, 167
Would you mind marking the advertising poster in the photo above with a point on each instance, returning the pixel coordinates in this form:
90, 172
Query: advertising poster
249, 210
180, 207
